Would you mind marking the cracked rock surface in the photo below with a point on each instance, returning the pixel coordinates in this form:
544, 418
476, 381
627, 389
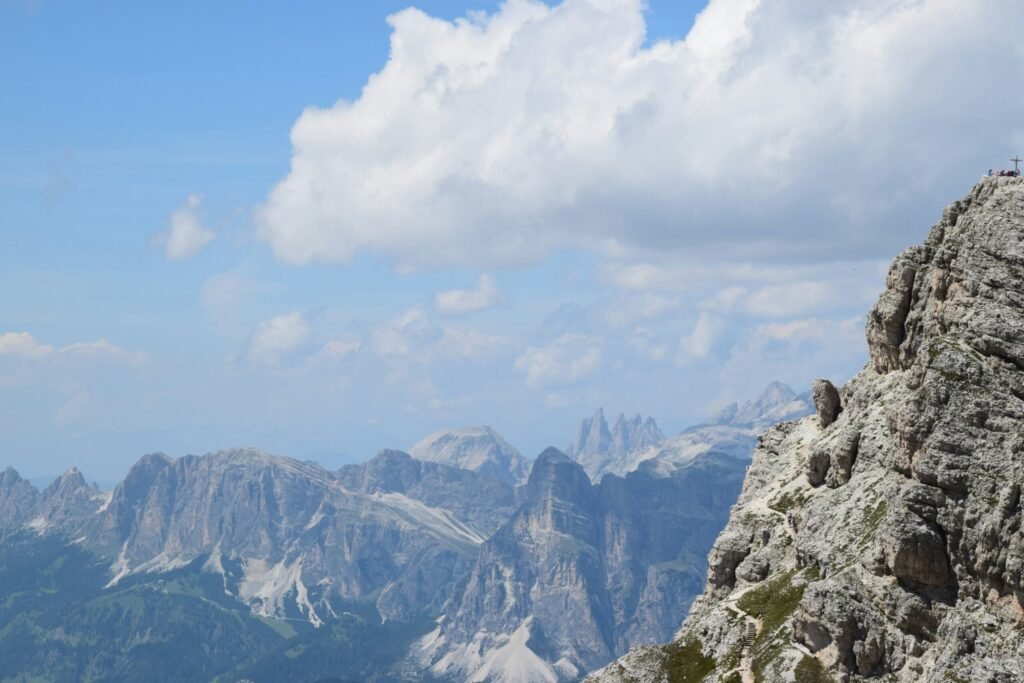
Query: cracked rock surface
881, 539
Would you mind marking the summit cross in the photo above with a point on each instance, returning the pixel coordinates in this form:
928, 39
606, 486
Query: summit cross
1016, 163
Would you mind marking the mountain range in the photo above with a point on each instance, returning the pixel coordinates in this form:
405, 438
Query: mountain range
472, 561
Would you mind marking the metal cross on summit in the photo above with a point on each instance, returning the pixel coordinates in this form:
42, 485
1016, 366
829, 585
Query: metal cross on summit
1016, 163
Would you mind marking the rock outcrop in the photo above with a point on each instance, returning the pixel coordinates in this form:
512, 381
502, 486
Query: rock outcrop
887, 543
602, 450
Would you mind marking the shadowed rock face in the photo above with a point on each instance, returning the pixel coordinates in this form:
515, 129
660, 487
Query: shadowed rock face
896, 528
584, 571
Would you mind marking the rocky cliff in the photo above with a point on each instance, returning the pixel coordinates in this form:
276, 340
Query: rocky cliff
602, 450
583, 571
881, 539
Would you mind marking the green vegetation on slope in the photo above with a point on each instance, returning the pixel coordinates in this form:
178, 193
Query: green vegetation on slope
687, 663
58, 623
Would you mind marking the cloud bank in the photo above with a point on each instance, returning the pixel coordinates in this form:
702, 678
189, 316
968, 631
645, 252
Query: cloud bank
795, 130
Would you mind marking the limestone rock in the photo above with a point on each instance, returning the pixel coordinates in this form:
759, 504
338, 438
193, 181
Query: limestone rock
908, 565
826, 401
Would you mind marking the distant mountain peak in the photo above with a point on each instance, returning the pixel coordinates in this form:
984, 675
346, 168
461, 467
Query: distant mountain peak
777, 402
602, 450
478, 448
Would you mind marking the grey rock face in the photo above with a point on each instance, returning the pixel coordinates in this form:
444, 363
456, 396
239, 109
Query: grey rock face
474, 497
909, 564
286, 536
826, 401
582, 571
479, 449
17, 499
606, 451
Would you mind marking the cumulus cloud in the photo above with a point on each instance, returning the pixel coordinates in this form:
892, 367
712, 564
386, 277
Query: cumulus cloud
279, 336
185, 236
794, 298
402, 335
456, 301
698, 343
568, 359
412, 335
496, 138
24, 345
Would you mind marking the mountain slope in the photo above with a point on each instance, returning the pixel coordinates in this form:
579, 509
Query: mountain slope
284, 535
583, 571
882, 538
479, 449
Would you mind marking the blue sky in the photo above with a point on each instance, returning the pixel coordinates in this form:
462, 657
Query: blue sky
211, 235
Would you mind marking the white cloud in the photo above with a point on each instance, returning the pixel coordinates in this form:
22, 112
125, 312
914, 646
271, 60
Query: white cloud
795, 298
402, 335
185, 236
339, 348
471, 345
227, 290
698, 343
76, 401
624, 310
24, 345
494, 139
104, 349
279, 336
412, 335
568, 359
811, 329
456, 301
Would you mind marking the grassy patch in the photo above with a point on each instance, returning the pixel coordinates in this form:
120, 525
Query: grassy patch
764, 658
874, 517
788, 501
810, 670
772, 602
687, 663
732, 659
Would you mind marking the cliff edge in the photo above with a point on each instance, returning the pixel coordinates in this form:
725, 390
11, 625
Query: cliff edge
880, 539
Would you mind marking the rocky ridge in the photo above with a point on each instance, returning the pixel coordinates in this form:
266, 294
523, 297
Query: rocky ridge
881, 538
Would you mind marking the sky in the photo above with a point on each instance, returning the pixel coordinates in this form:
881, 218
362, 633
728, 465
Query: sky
322, 229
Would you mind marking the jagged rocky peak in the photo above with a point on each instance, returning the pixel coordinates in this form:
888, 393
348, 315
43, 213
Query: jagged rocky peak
603, 450
776, 403
17, 499
480, 449
882, 537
